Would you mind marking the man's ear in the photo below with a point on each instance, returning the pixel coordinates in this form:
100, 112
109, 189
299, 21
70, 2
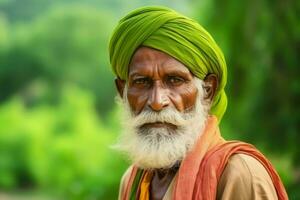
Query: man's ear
211, 84
120, 84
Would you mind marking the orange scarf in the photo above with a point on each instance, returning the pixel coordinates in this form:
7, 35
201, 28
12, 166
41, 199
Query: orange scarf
145, 186
202, 168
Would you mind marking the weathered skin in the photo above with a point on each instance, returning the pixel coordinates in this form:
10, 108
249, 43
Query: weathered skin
157, 80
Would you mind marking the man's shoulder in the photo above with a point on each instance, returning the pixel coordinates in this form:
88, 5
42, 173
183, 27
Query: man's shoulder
244, 177
242, 165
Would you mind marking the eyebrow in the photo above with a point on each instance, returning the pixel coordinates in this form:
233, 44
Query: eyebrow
180, 72
137, 74
170, 70
183, 74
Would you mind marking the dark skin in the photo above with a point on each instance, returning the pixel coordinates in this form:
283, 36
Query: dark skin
155, 81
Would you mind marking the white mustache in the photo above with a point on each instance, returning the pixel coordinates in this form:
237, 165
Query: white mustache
168, 115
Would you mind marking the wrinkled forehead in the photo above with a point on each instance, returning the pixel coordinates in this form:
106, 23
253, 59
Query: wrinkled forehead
147, 60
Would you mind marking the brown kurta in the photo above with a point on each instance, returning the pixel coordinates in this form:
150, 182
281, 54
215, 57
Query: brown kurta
243, 178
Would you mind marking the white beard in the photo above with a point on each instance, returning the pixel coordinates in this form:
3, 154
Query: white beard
161, 148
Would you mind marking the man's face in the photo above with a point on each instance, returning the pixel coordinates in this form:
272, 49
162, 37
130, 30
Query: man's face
165, 109
157, 80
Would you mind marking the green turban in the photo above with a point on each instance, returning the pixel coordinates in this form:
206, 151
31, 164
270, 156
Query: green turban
177, 35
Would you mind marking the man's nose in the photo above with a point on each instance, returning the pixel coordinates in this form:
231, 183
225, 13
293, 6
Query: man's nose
158, 98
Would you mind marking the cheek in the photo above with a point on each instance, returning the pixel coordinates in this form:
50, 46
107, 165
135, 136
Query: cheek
137, 100
184, 98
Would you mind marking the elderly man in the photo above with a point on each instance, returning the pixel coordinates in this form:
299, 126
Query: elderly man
171, 77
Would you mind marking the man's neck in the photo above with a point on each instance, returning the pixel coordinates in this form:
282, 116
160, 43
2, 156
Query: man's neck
161, 181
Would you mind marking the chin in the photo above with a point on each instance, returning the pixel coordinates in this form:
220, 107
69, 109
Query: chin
160, 148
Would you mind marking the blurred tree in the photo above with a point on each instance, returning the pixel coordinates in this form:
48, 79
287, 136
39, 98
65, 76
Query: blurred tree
65, 45
26, 10
4, 37
62, 148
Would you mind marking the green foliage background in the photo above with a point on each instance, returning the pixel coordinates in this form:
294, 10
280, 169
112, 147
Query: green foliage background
57, 111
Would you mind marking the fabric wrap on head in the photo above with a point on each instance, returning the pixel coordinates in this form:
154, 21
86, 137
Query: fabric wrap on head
177, 35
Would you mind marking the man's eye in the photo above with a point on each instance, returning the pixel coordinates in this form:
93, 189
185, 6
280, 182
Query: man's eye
175, 80
141, 81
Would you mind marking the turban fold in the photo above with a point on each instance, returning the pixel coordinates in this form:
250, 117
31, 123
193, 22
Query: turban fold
182, 38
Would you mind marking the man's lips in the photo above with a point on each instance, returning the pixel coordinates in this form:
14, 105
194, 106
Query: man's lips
159, 125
